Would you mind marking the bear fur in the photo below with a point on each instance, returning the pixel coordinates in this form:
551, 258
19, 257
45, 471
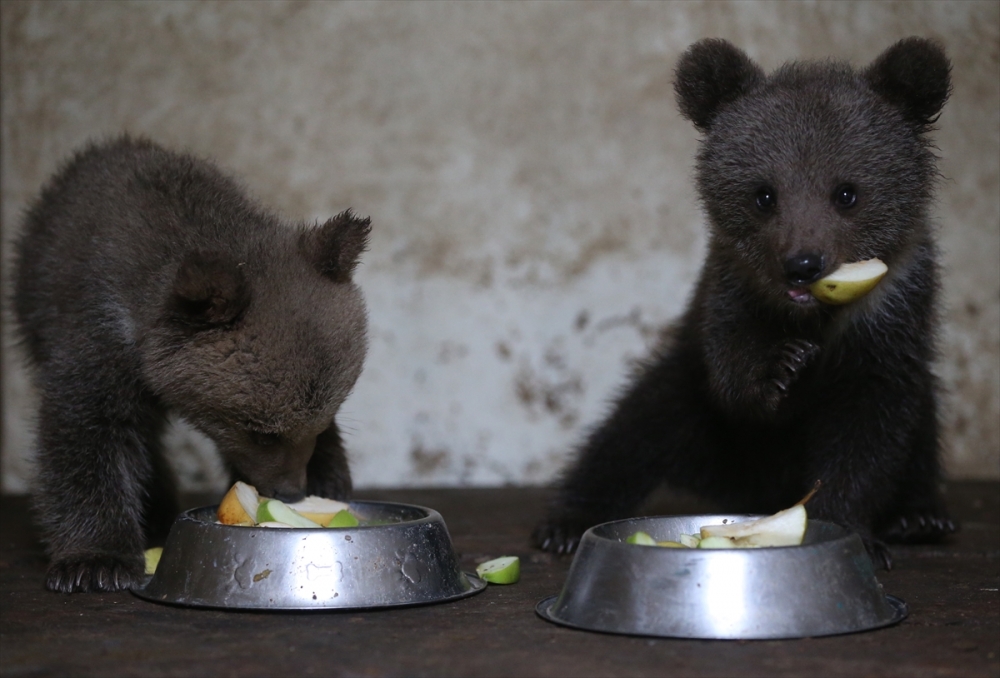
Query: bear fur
147, 281
760, 390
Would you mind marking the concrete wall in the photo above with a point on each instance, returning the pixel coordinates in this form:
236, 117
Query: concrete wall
528, 179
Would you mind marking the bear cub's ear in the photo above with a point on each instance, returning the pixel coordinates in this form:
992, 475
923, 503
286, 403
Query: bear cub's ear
210, 289
711, 73
915, 76
335, 247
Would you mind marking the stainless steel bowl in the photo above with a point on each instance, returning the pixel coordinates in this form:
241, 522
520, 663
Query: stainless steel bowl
400, 555
824, 587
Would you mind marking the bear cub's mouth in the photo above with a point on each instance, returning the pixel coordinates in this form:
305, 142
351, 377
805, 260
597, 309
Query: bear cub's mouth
801, 295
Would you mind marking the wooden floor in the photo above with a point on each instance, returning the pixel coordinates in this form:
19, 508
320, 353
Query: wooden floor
953, 628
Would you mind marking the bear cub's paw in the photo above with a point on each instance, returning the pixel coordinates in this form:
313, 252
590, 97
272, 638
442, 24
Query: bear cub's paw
560, 536
793, 356
95, 573
918, 528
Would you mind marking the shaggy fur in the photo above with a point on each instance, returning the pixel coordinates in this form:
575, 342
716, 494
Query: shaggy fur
148, 281
761, 390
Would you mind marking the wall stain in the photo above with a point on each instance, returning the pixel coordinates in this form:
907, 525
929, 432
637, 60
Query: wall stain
427, 461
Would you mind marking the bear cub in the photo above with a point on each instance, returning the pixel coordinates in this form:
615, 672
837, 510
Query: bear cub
147, 281
761, 390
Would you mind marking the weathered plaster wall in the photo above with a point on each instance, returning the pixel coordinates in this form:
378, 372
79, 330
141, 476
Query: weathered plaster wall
528, 178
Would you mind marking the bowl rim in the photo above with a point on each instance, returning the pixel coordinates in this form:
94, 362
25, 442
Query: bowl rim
840, 532
430, 515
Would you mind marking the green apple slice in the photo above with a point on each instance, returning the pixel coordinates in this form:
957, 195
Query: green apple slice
505, 570
784, 528
717, 543
343, 518
849, 282
640, 538
153, 558
277, 511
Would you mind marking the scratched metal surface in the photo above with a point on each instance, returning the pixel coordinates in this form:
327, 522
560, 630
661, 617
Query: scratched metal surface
953, 628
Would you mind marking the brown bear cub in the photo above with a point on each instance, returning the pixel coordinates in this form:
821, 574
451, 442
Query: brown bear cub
147, 282
761, 390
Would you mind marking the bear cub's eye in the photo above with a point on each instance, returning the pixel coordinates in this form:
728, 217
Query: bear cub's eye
264, 439
766, 198
845, 195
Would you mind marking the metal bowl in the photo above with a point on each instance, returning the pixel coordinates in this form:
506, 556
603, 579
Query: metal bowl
824, 587
399, 555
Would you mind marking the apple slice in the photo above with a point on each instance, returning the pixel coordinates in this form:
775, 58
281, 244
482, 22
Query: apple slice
717, 543
505, 570
849, 282
318, 509
153, 558
239, 506
343, 519
784, 528
277, 511
640, 538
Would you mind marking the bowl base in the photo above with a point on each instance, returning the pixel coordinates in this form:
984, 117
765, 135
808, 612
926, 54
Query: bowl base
476, 585
899, 613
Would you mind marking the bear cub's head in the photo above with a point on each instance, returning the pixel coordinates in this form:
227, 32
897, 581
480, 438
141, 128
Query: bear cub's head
814, 165
258, 344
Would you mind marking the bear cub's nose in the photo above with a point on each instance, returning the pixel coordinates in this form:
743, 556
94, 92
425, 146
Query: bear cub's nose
804, 268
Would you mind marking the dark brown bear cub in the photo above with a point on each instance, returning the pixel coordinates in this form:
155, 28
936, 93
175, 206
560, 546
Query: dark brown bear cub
762, 390
148, 282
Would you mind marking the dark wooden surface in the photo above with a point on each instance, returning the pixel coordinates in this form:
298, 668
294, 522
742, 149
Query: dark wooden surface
953, 628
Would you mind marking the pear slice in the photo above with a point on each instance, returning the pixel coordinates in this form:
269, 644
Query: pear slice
689, 540
318, 509
277, 511
239, 506
849, 282
784, 528
505, 570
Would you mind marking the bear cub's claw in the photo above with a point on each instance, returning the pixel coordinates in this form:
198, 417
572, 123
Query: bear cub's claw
878, 552
558, 537
919, 528
95, 573
793, 356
